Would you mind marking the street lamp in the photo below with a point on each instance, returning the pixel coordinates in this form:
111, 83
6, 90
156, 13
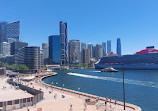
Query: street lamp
123, 70
79, 93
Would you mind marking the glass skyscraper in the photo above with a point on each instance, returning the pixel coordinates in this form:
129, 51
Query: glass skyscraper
118, 46
104, 48
54, 49
64, 42
3, 32
108, 47
9, 32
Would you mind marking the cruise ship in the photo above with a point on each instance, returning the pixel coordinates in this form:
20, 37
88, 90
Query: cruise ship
146, 59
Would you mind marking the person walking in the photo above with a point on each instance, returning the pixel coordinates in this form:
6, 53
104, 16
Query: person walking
70, 107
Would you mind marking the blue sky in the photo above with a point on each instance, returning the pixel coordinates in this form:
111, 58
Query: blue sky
90, 21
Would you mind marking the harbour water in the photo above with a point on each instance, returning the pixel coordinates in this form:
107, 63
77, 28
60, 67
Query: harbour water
141, 86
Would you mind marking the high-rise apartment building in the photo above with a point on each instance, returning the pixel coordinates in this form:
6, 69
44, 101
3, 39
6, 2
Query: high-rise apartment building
54, 49
9, 32
83, 46
118, 50
85, 56
83, 52
108, 47
5, 49
74, 51
64, 42
14, 46
98, 51
45, 49
90, 47
104, 48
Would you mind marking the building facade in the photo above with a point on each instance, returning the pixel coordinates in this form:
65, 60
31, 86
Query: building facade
3, 32
108, 47
74, 51
5, 49
98, 51
64, 43
104, 48
14, 46
90, 47
118, 49
45, 49
13, 31
54, 49
30, 56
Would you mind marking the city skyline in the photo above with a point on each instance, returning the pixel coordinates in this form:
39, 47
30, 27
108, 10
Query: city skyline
135, 22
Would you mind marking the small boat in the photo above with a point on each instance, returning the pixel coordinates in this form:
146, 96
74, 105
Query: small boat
109, 69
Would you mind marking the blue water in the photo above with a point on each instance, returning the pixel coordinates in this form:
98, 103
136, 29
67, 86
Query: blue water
141, 86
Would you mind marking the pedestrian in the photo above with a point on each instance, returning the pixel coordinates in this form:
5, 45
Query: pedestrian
85, 106
106, 99
110, 100
70, 107
115, 101
28, 108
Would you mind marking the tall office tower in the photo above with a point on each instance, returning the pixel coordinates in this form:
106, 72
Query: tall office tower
118, 46
90, 47
3, 32
29, 56
5, 49
74, 51
45, 49
64, 42
85, 56
9, 32
99, 51
13, 31
83, 46
104, 48
14, 46
54, 49
41, 59
83, 51
94, 47
108, 47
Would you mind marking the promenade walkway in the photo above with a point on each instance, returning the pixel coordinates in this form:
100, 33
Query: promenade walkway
53, 101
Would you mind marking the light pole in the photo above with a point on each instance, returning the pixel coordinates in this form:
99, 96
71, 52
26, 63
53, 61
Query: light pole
123, 86
79, 92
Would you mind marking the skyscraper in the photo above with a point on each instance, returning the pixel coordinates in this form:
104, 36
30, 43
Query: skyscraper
64, 42
104, 48
83, 46
74, 51
13, 31
3, 32
85, 56
17, 45
108, 47
98, 51
118, 46
45, 50
90, 47
83, 52
5, 49
9, 32
54, 49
